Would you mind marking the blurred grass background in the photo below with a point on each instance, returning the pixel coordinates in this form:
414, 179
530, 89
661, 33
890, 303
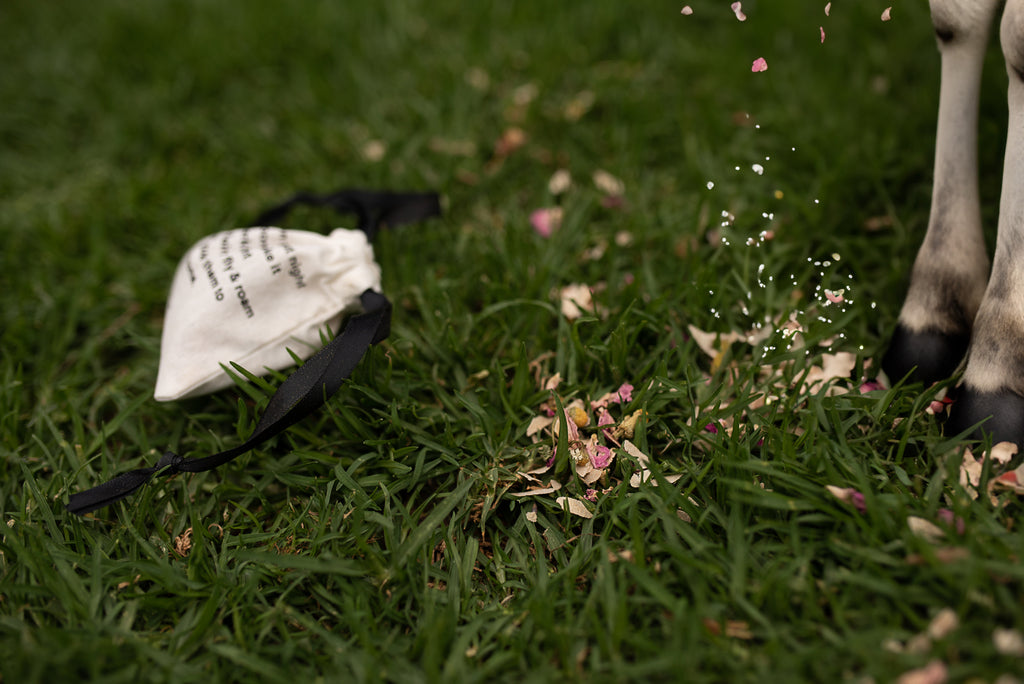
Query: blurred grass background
377, 541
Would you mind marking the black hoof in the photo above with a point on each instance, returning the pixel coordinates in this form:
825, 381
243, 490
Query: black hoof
1004, 411
927, 356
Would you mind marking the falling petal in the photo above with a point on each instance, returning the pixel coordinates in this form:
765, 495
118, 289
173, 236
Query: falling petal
828, 8
687, 10
887, 14
737, 9
822, 29
760, 64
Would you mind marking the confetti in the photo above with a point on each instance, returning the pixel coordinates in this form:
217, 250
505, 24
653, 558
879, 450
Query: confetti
760, 64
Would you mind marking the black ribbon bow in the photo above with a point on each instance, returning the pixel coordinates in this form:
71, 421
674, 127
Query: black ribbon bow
322, 374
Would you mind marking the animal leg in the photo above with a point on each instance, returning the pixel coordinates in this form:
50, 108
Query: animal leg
950, 272
993, 382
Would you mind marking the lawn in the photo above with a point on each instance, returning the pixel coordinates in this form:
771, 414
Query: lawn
383, 538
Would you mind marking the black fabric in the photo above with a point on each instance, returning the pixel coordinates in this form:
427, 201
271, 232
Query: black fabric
322, 374
374, 208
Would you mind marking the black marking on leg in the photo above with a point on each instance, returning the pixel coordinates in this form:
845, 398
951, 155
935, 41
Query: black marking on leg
927, 356
944, 34
1002, 411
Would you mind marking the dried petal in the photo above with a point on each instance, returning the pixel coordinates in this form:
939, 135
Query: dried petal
608, 184
603, 456
925, 529
546, 220
1008, 642
559, 182
943, 624
574, 506
933, 673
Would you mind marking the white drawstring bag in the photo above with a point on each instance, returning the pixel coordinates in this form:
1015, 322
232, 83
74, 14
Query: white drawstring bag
257, 296
254, 297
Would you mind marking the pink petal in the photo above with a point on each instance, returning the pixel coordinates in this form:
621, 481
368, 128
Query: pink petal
871, 386
822, 28
828, 8
604, 417
591, 495
602, 458
737, 8
947, 516
546, 220
760, 64
687, 10
886, 14
625, 393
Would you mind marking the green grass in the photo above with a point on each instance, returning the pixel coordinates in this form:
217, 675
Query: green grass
378, 540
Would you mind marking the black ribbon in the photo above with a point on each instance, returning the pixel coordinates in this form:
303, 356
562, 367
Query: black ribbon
374, 208
309, 387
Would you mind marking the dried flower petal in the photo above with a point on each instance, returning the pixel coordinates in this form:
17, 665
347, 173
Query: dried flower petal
559, 182
574, 506
608, 184
933, 673
925, 529
546, 220
943, 624
1008, 642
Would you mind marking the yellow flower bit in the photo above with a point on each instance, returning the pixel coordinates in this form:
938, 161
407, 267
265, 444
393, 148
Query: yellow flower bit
578, 416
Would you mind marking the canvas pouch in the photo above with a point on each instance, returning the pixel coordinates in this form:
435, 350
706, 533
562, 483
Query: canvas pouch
263, 298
